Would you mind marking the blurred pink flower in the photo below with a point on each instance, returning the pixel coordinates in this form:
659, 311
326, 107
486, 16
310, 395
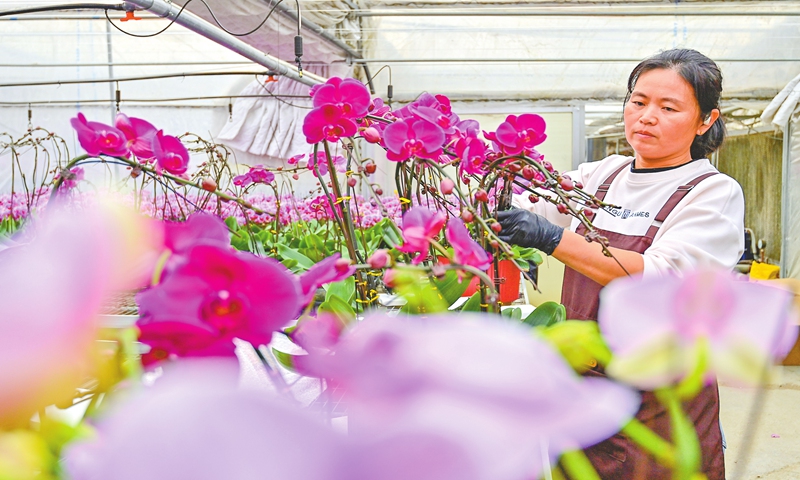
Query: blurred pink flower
256, 174
170, 153
325, 271
214, 296
339, 162
413, 138
319, 333
422, 375
371, 135
379, 259
98, 138
657, 327
139, 135
466, 250
420, 226
327, 123
519, 134
51, 291
350, 96
293, 160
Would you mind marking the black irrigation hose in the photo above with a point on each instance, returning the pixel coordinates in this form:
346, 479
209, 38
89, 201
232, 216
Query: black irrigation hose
70, 6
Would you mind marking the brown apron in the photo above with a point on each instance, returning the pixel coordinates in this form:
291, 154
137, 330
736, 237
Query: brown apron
618, 458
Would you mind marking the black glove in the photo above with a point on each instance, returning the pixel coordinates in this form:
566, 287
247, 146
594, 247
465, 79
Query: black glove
527, 229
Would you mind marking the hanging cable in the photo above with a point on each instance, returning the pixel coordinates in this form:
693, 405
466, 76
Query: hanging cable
264, 87
389, 87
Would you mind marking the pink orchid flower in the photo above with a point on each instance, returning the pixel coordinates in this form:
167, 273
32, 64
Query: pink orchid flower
327, 123
256, 174
466, 250
216, 295
350, 96
413, 138
98, 138
318, 334
447, 122
139, 135
420, 227
658, 328
421, 375
170, 153
293, 160
519, 134
472, 152
328, 270
51, 291
339, 162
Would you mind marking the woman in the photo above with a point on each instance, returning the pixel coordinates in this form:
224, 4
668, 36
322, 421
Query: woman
676, 212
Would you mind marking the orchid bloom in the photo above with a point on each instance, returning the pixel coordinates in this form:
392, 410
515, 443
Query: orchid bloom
319, 333
466, 250
321, 164
422, 375
98, 138
472, 152
519, 134
412, 137
420, 227
349, 95
662, 329
214, 296
256, 174
139, 135
327, 123
170, 153
293, 160
328, 270
51, 291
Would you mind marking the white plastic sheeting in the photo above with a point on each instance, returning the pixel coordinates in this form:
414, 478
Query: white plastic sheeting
782, 112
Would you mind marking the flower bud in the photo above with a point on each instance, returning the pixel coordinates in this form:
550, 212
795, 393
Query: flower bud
566, 184
379, 259
447, 186
352, 181
533, 198
390, 277
378, 191
528, 172
371, 134
496, 227
208, 184
467, 216
438, 271
494, 244
561, 208
296, 176
370, 167
481, 195
514, 167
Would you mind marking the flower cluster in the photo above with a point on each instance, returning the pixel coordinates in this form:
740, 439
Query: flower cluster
135, 136
256, 174
338, 104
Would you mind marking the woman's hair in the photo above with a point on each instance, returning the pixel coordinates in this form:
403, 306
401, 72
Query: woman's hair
705, 78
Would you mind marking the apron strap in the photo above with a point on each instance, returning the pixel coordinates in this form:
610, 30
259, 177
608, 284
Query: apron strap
672, 202
602, 190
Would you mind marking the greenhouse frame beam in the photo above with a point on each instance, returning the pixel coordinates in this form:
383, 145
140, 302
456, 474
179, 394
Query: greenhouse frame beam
201, 27
565, 12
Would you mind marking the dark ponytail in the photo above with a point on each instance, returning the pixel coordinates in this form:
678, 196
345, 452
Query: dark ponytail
705, 78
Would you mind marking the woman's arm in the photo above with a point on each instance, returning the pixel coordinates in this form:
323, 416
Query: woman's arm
588, 259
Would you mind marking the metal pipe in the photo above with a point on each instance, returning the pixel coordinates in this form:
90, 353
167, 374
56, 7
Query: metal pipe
129, 101
565, 12
69, 6
200, 26
127, 79
551, 60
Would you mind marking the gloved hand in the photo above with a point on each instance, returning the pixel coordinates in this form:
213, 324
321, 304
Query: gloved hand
527, 229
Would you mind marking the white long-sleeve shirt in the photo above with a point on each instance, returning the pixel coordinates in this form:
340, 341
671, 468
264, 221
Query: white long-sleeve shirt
705, 230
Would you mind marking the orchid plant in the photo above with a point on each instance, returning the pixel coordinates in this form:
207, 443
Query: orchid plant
430, 393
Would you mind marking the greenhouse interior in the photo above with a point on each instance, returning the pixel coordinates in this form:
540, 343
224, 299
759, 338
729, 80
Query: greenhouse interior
220, 220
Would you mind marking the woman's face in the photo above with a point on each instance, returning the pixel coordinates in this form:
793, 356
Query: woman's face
662, 118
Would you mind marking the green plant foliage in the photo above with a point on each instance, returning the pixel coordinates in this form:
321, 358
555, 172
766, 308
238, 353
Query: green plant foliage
546, 314
345, 290
338, 307
450, 288
512, 313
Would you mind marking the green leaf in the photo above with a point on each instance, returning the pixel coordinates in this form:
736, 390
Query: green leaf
450, 288
302, 260
232, 224
338, 307
292, 265
512, 313
473, 304
346, 290
421, 295
546, 314
285, 359
240, 241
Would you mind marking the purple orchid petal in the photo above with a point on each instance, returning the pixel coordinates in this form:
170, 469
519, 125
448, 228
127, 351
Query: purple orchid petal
170, 153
